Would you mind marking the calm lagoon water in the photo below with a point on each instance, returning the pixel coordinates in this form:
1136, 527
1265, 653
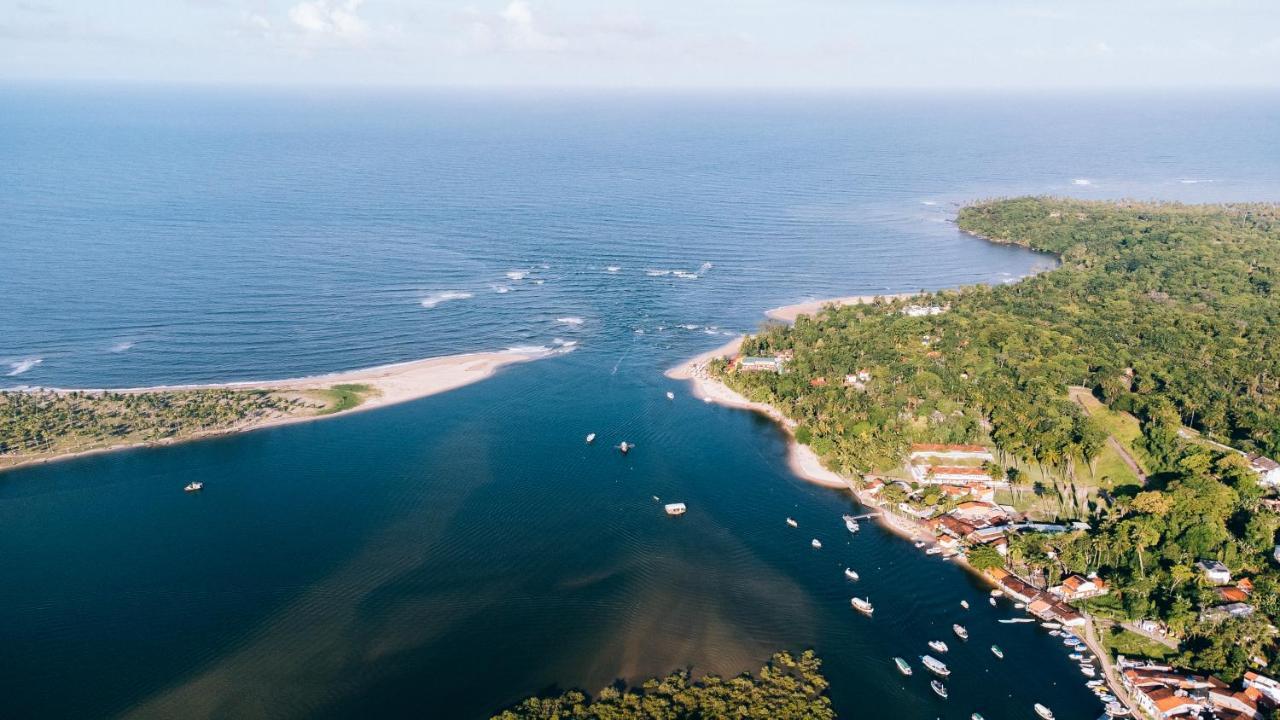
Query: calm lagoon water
445, 557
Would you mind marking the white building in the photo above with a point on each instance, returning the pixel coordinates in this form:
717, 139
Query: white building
1268, 470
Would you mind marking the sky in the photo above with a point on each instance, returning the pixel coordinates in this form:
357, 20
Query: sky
797, 44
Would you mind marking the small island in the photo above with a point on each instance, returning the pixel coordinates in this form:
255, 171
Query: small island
38, 425
787, 688
1096, 439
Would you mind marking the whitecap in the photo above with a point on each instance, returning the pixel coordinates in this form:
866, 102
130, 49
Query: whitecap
685, 274
561, 342
121, 346
657, 273
433, 300
612, 268
570, 320
20, 366
518, 274
501, 289
704, 267
690, 326
538, 282
928, 202
529, 350
1193, 181
1081, 181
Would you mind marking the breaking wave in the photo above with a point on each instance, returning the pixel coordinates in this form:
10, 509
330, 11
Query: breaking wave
20, 366
570, 320
433, 300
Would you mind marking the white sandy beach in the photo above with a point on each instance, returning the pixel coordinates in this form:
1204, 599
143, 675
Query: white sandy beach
392, 384
789, 313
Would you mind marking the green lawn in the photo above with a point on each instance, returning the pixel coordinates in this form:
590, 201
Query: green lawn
343, 397
1122, 642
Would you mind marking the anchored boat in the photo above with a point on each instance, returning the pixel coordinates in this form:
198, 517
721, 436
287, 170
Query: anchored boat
851, 523
816, 543
935, 665
862, 605
675, 508
939, 689
1043, 712
995, 650
194, 486
903, 667
591, 437
849, 573
938, 646
960, 632
792, 523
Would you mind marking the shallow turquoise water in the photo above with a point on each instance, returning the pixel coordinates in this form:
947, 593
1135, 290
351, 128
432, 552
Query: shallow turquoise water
445, 557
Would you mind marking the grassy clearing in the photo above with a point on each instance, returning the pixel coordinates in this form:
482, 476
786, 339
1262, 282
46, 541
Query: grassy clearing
1130, 644
1110, 470
343, 397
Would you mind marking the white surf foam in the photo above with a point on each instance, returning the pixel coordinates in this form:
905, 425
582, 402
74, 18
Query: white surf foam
20, 366
1081, 181
121, 346
501, 289
570, 320
612, 268
657, 273
518, 274
433, 300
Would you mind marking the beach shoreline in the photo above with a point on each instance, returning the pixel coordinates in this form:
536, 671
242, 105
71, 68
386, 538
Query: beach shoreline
390, 384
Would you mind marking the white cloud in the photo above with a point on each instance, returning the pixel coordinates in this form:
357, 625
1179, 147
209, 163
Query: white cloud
326, 20
514, 29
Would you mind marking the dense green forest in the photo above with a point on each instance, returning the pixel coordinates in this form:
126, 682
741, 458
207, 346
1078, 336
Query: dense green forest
788, 688
1169, 312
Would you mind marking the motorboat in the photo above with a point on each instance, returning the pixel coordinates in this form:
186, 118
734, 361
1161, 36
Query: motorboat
960, 632
816, 543
933, 550
1043, 712
992, 601
1051, 625
675, 508
625, 447
995, 650
1011, 621
194, 486
851, 523
849, 573
935, 665
903, 667
862, 605
997, 593
671, 395
792, 523
591, 437
964, 604
939, 689
938, 646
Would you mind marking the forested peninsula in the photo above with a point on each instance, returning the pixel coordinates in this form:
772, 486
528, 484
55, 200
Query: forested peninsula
1132, 388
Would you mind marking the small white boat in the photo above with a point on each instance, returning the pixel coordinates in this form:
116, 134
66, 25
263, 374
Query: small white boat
851, 523
935, 665
976, 716
671, 395
1051, 625
1011, 621
862, 605
849, 573
964, 604
625, 447
919, 544
933, 550
816, 543
992, 601
939, 689
675, 508
591, 437
960, 632
194, 486
1088, 672
1115, 709
997, 593
938, 646
1043, 712
1055, 633
1094, 683
1020, 606
792, 523
903, 667
995, 650
1076, 656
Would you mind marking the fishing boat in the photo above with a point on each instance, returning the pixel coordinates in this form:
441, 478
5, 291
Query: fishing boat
960, 632
938, 646
862, 605
935, 665
792, 523
625, 447
194, 486
995, 650
939, 689
816, 543
591, 437
849, 573
675, 508
964, 604
1043, 712
903, 667
1010, 621
851, 523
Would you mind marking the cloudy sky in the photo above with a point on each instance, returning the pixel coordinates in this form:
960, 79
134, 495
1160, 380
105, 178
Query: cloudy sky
647, 43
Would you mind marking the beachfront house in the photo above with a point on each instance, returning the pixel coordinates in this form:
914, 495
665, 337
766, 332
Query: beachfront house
1076, 587
759, 364
1268, 470
1214, 571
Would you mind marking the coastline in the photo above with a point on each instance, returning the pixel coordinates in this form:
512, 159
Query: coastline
391, 384
789, 313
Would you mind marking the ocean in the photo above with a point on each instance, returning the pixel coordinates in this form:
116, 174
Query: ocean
446, 557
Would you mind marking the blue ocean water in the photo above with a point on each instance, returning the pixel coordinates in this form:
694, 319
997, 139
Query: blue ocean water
445, 557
